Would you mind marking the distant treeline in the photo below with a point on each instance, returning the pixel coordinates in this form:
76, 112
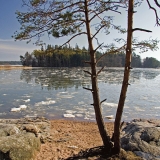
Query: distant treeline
54, 56
10, 63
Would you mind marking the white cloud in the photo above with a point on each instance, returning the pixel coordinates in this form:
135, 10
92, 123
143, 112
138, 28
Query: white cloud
6, 40
11, 50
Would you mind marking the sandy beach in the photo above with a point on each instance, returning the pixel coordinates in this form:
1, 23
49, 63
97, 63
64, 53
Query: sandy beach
70, 137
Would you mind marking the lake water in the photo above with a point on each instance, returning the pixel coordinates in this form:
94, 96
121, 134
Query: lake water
55, 93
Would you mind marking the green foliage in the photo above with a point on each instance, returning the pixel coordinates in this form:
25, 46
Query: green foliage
64, 18
53, 56
150, 62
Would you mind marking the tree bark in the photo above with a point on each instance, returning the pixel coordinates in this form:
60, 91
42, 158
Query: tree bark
95, 91
125, 83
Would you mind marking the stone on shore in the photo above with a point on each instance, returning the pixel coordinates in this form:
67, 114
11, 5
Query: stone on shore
20, 139
143, 138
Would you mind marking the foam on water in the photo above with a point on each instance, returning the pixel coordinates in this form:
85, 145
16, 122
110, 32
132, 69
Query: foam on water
109, 116
31, 116
70, 111
157, 107
26, 96
22, 106
79, 115
139, 109
15, 109
45, 103
110, 104
66, 96
68, 115
27, 100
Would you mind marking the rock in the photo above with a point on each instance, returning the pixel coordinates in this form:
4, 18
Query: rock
19, 146
20, 139
7, 130
31, 128
143, 138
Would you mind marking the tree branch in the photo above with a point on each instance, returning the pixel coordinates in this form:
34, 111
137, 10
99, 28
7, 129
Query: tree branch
157, 3
98, 47
73, 37
100, 71
157, 18
98, 30
140, 29
113, 51
88, 89
103, 101
87, 72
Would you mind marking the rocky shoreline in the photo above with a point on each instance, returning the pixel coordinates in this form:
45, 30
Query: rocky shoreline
24, 139
143, 138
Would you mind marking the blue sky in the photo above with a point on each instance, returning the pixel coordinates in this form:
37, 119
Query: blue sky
11, 50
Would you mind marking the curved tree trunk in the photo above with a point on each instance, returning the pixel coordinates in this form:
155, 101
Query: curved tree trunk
95, 91
125, 80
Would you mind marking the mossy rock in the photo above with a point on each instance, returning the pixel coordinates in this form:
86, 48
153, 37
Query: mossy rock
19, 146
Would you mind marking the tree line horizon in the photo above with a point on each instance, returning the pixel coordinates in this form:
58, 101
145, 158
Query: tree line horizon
56, 56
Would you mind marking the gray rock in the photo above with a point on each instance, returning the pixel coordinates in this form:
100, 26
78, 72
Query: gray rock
7, 130
19, 146
143, 138
20, 139
146, 155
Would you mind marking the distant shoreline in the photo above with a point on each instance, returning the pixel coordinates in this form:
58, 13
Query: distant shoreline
8, 67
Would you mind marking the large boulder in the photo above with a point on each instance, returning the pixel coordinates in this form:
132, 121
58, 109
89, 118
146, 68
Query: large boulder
19, 146
20, 139
143, 138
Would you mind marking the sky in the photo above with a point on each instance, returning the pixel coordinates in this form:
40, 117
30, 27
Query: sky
11, 50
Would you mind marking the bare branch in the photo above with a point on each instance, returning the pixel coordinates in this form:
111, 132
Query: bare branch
98, 31
103, 100
73, 37
121, 125
157, 18
113, 51
100, 71
96, 14
140, 29
88, 89
115, 11
157, 3
87, 72
98, 47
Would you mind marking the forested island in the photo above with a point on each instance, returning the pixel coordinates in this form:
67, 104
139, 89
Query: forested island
55, 56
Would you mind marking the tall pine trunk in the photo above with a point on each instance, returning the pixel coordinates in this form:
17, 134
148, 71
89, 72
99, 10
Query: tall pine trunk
125, 83
95, 91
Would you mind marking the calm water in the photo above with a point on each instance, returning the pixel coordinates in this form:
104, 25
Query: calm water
54, 92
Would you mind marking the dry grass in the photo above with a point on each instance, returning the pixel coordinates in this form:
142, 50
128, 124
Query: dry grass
10, 67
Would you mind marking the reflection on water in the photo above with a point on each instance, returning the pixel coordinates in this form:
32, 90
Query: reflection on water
72, 77
38, 88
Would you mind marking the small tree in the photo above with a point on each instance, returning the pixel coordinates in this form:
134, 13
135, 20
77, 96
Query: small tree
73, 18
144, 45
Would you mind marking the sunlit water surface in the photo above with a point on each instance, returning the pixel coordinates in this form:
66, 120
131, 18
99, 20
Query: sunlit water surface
56, 93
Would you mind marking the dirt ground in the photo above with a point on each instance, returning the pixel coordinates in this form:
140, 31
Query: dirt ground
71, 137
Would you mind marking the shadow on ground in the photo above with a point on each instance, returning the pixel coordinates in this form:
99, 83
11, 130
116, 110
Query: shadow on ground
91, 153
98, 153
